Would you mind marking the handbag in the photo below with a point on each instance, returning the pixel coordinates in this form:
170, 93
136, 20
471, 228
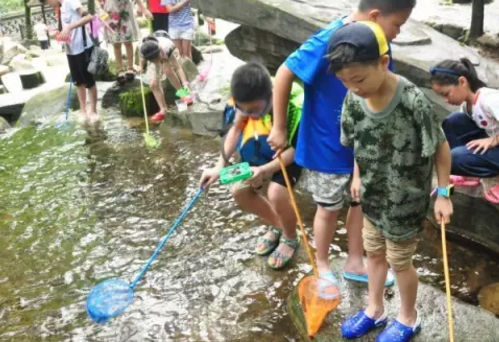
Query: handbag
97, 62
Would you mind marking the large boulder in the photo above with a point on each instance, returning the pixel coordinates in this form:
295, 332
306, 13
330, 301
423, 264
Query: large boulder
416, 49
47, 106
10, 50
471, 323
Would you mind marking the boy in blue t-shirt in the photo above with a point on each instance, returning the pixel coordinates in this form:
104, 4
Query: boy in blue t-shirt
329, 164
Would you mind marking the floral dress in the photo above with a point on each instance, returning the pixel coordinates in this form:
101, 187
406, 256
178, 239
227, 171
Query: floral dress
121, 21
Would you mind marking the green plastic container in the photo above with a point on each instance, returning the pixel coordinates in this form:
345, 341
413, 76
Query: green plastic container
235, 173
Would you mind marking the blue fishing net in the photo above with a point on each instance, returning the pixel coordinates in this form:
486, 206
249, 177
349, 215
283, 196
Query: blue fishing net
108, 299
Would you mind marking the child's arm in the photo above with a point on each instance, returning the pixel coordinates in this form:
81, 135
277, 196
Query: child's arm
173, 62
85, 19
443, 205
175, 8
142, 9
282, 89
356, 183
210, 176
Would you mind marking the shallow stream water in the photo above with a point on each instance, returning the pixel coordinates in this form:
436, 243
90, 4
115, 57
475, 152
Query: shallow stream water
79, 206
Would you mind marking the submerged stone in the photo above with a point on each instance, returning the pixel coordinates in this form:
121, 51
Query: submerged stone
471, 323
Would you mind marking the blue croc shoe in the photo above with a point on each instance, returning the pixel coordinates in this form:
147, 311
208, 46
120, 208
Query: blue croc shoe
398, 332
390, 278
360, 324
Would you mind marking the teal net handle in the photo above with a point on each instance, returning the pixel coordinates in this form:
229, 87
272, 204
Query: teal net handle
166, 238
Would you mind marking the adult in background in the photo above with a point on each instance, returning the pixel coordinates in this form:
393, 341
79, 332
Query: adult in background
160, 15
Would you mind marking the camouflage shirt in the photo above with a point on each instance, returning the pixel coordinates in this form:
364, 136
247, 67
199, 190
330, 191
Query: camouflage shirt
394, 150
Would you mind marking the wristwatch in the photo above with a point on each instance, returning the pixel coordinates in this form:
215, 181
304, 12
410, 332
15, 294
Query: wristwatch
445, 192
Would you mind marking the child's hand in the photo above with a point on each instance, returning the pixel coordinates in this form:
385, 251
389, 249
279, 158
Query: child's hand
482, 145
209, 177
64, 35
277, 140
355, 189
147, 14
258, 177
443, 209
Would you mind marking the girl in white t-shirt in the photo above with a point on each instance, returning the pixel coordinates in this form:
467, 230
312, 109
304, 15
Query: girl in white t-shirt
473, 133
72, 20
163, 56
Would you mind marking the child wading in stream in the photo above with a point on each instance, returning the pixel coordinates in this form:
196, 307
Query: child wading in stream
72, 20
250, 113
125, 30
397, 138
329, 164
473, 132
163, 56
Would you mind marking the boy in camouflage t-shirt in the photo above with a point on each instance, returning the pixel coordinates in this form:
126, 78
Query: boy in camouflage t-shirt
396, 138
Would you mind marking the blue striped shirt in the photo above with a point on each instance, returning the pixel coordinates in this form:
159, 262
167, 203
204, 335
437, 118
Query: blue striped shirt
182, 19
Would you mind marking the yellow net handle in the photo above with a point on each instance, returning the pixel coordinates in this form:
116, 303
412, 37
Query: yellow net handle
298, 216
447, 283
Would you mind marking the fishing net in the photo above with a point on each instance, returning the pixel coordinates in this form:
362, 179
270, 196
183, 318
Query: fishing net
317, 297
108, 299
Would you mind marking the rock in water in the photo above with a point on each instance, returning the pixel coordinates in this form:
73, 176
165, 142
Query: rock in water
471, 323
3, 124
416, 49
489, 298
31, 79
47, 106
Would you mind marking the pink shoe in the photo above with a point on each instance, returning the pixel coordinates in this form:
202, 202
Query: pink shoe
465, 181
492, 195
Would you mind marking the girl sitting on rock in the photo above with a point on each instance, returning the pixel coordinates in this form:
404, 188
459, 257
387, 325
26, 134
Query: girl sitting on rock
473, 132
122, 29
163, 55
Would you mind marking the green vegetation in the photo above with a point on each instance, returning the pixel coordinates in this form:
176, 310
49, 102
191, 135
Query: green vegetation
7, 6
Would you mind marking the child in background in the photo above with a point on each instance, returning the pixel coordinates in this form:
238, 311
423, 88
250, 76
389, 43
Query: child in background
160, 15
72, 20
329, 164
473, 132
42, 34
125, 30
163, 55
397, 138
251, 88
181, 25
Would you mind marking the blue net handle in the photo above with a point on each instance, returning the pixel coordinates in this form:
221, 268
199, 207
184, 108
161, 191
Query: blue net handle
166, 238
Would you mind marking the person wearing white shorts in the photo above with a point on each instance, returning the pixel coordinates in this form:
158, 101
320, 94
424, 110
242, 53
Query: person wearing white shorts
181, 25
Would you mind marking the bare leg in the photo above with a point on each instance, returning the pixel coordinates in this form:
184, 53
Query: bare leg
377, 268
129, 55
325, 224
355, 260
252, 202
92, 93
186, 49
118, 56
407, 281
279, 198
82, 98
157, 91
178, 44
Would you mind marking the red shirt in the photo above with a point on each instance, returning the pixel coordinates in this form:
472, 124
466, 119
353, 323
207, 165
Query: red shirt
155, 7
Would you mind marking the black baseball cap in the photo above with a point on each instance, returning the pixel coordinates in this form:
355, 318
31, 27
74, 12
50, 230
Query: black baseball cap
366, 36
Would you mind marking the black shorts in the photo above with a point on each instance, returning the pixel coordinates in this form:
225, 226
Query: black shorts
294, 173
78, 65
44, 44
160, 22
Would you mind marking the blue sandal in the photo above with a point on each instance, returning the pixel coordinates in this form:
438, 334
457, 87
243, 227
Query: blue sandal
390, 278
269, 245
360, 324
398, 332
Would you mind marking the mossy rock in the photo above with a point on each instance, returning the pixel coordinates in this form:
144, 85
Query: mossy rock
203, 39
47, 106
130, 102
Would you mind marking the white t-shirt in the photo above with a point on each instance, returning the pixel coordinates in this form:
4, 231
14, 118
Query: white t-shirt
166, 46
41, 31
69, 15
485, 111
